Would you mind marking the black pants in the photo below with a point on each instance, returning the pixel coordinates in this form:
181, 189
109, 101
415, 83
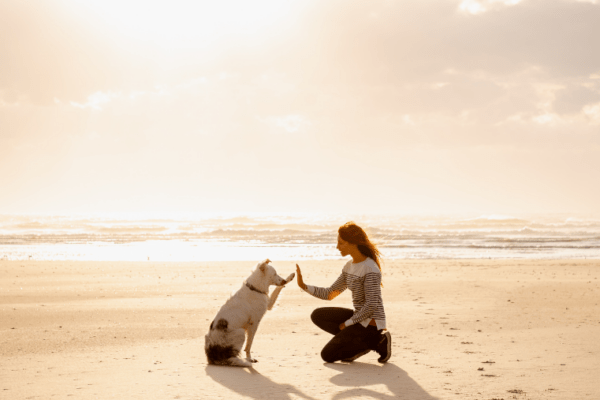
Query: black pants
348, 342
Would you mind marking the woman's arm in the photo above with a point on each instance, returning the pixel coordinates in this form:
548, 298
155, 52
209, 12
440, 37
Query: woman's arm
322, 293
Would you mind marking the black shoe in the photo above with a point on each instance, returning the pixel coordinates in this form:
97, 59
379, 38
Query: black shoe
350, 359
385, 348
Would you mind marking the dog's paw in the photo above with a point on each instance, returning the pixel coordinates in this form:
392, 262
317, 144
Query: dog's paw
289, 278
252, 360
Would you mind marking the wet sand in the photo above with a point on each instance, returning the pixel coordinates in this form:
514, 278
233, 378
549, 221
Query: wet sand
462, 329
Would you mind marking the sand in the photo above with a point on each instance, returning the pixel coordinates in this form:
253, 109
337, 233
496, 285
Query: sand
462, 329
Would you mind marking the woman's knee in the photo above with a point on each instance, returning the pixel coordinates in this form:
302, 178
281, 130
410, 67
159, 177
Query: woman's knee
317, 316
328, 356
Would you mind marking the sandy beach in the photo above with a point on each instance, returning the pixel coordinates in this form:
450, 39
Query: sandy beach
462, 329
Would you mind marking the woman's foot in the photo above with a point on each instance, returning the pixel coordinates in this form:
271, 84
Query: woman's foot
384, 348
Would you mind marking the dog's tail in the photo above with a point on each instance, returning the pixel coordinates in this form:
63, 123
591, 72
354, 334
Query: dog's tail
222, 346
216, 354
224, 355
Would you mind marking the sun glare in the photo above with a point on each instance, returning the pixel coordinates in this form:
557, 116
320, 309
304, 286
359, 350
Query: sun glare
187, 24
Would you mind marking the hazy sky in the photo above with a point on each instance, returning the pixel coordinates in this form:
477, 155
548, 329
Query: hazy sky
409, 106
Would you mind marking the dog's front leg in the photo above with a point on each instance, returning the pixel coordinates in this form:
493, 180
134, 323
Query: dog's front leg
273, 297
275, 294
251, 332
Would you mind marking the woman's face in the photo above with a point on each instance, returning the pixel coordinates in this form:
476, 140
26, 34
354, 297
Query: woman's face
343, 246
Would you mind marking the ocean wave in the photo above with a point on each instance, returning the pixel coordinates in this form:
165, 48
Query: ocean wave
420, 235
128, 228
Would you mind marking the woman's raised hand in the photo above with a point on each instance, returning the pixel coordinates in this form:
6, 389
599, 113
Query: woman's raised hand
299, 278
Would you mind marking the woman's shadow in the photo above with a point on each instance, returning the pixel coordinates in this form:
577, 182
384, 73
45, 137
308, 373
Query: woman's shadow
249, 382
360, 376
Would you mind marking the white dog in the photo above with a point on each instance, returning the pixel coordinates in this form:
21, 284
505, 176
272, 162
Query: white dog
240, 315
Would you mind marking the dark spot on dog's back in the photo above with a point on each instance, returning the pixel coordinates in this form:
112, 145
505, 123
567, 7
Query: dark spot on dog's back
222, 324
216, 353
211, 325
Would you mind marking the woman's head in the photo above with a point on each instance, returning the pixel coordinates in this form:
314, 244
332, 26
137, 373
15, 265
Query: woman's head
354, 234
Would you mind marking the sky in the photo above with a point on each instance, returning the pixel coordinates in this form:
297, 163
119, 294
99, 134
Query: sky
289, 106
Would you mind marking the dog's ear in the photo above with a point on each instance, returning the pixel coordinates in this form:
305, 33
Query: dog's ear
263, 265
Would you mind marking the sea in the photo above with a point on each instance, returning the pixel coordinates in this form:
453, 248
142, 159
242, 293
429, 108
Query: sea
221, 237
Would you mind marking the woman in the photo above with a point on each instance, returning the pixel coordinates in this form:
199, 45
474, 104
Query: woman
362, 330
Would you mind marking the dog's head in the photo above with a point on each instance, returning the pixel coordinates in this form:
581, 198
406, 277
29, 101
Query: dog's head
269, 274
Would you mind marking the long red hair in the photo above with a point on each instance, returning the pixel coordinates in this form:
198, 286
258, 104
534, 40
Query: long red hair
354, 234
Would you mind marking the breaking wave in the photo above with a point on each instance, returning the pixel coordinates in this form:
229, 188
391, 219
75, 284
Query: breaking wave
292, 237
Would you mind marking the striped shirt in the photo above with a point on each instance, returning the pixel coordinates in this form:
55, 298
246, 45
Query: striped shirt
364, 280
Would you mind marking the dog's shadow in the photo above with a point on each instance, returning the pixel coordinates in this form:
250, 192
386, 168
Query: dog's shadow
249, 382
360, 376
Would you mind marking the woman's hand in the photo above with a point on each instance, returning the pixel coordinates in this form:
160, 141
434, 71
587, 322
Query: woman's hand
299, 278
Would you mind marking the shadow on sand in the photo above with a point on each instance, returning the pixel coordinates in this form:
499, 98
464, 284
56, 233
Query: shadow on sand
360, 376
249, 382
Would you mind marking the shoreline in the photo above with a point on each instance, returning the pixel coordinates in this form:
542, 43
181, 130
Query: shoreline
135, 330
